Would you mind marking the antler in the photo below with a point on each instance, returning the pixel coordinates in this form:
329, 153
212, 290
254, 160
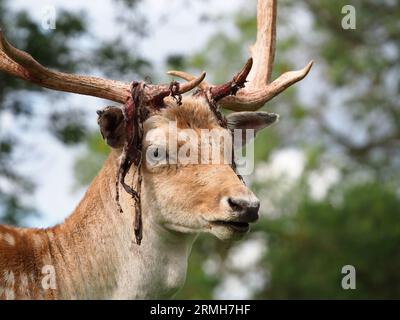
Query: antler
259, 90
22, 65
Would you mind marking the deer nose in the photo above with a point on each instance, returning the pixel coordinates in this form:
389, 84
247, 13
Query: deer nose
246, 210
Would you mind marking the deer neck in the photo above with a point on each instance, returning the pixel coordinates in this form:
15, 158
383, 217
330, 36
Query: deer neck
95, 255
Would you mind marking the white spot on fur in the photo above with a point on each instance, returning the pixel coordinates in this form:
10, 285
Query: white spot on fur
9, 294
50, 234
24, 280
32, 277
46, 259
24, 286
9, 278
37, 240
9, 239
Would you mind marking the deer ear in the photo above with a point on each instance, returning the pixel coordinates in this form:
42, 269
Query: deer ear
251, 120
112, 126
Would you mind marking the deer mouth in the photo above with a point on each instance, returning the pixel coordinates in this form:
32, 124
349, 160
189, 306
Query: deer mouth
234, 225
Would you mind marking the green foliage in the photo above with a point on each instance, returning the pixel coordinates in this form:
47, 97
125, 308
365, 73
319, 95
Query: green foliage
27, 35
68, 126
124, 62
89, 163
200, 284
308, 250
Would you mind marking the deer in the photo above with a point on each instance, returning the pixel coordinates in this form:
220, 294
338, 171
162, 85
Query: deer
131, 235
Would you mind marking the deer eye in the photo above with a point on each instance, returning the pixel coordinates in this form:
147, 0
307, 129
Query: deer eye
156, 155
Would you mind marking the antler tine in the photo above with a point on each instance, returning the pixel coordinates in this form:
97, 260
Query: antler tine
22, 58
7, 64
230, 88
263, 51
259, 89
192, 83
247, 100
157, 92
188, 77
223, 90
22, 65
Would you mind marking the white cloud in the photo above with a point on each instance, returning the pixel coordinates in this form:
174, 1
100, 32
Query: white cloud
320, 181
240, 287
286, 163
246, 254
232, 287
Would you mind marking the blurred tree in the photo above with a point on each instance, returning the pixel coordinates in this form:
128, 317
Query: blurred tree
308, 250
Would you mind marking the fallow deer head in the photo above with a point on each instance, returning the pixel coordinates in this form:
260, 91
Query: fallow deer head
181, 197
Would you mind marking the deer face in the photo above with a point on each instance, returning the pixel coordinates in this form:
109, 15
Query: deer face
181, 190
